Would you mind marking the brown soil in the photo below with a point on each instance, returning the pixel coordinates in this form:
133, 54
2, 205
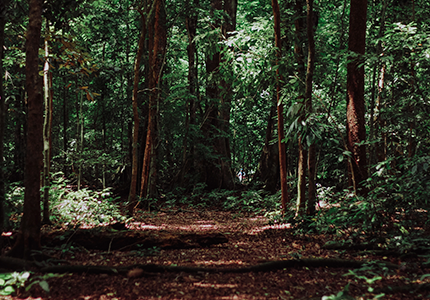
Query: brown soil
250, 241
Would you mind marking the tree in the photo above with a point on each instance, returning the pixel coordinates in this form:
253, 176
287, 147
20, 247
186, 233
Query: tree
47, 128
216, 166
3, 10
157, 42
136, 120
355, 94
29, 237
303, 153
281, 135
310, 29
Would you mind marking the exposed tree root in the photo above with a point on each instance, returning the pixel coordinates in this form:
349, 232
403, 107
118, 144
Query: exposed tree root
264, 267
129, 240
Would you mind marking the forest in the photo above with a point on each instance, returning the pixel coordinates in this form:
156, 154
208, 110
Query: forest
214, 149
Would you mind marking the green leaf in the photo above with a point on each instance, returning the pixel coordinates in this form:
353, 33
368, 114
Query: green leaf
7, 291
44, 285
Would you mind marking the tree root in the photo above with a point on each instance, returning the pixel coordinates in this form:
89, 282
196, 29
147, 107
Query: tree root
264, 267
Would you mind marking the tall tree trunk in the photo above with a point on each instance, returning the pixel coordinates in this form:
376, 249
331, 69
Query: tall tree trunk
311, 27
303, 154
411, 122
355, 91
376, 152
3, 9
47, 131
281, 135
157, 37
65, 126
136, 120
190, 106
334, 87
29, 236
217, 171
80, 135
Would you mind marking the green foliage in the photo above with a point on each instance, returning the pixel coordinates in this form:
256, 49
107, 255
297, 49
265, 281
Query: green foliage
69, 207
254, 201
10, 281
85, 207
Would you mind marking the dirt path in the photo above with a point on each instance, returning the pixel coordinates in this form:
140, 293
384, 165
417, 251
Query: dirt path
251, 241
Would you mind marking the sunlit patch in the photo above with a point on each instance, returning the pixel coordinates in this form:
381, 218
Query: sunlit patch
6, 233
259, 218
216, 285
143, 226
219, 262
275, 226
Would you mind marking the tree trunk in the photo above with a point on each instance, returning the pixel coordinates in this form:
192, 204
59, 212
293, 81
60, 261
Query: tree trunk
375, 152
188, 157
3, 9
215, 167
65, 126
157, 41
29, 237
303, 154
311, 27
47, 131
281, 135
355, 90
136, 120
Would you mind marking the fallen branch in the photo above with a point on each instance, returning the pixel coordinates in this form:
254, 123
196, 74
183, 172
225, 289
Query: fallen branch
16, 264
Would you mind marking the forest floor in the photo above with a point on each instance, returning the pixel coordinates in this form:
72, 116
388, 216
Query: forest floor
251, 241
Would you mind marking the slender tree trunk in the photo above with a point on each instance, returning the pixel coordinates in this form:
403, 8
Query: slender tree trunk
188, 156
334, 87
303, 154
229, 26
376, 152
411, 123
355, 89
47, 131
3, 10
80, 135
65, 126
311, 27
136, 120
29, 237
157, 37
281, 135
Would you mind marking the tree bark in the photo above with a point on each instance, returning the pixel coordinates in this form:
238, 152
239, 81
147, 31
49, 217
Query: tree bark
136, 120
355, 92
310, 206
303, 153
3, 9
281, 134
47, 125
157, 37
215, 167
188, 157
29, 237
